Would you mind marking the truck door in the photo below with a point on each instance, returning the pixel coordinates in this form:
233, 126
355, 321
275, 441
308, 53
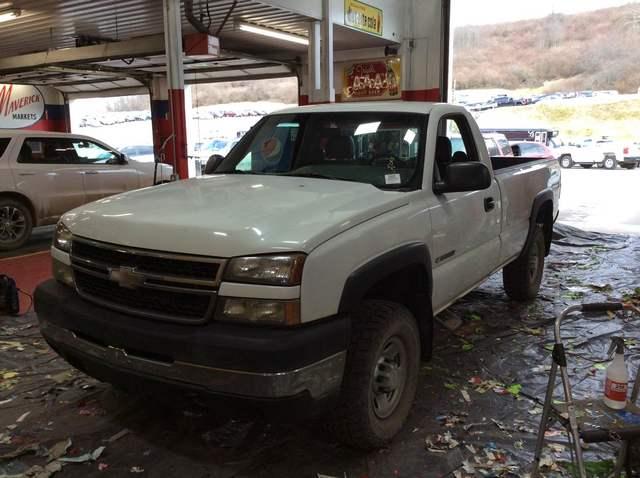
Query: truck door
47, 171
465, 225
105, 172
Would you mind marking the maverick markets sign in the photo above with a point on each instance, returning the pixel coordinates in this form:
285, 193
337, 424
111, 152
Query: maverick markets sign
20, 106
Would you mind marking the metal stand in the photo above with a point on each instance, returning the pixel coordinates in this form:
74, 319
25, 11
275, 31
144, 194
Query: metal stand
566, 414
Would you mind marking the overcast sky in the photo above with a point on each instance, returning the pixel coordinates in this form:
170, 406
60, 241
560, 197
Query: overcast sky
482, 12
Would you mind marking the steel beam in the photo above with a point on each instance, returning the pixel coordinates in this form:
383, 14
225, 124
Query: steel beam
144, 46
266, 76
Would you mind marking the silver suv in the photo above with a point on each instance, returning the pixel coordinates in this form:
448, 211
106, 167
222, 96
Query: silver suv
43, 175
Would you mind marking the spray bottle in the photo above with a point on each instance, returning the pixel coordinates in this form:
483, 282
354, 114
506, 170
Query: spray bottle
615, 388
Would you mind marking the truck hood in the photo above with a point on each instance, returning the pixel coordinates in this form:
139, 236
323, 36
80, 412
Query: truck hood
232, 215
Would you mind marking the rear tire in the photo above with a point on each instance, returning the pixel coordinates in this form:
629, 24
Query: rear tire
522, 277
609, 163
16, 223
380, 378
566, 161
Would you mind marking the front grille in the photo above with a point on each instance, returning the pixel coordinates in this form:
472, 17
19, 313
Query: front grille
154, 301
148, 262
152, 284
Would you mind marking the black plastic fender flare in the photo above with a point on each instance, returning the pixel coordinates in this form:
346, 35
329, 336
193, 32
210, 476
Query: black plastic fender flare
363, 278
544, 196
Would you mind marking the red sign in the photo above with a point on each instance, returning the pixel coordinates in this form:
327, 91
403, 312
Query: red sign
372, 80
20, 105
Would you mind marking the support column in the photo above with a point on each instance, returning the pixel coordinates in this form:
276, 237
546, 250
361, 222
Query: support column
327, 92
161, 120
175, 78
315, 62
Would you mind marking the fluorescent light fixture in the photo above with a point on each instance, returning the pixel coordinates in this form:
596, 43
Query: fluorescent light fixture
11, 14
270, 32
367, 128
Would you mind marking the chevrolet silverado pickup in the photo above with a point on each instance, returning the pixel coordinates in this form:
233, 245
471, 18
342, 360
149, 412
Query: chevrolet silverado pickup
307, 268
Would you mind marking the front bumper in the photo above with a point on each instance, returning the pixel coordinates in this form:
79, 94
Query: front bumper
218, 358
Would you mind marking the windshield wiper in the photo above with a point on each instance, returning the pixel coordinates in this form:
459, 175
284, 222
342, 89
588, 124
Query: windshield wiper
237, 171
317, 175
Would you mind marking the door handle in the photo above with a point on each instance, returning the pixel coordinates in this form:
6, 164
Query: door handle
489, 204
26, 174
91, 172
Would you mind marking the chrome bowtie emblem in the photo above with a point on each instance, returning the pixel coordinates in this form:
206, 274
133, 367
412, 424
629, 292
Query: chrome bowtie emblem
126, 277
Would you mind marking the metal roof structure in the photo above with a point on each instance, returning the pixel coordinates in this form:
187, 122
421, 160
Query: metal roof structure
39, 47
84, 47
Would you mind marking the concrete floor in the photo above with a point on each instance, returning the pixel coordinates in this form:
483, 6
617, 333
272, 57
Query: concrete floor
601, 200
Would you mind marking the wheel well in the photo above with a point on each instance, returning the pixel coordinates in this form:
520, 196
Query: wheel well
410, 287
24, 200
545, 217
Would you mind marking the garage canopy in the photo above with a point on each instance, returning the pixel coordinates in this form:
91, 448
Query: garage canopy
89, 46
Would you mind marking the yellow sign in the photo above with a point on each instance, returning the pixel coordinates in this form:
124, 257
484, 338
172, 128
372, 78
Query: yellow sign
372, 80
363, 17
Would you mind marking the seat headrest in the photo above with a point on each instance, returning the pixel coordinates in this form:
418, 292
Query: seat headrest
443, 150
339, 148
459, 156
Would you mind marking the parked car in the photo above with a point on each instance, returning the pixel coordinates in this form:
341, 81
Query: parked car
302, 275
142, 152
531, 149
497, 144
630, 156
43, 175
219, 146
503, 100
603, 153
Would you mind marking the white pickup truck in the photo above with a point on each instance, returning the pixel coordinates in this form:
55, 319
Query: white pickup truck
308, 269
602, 153
43, 175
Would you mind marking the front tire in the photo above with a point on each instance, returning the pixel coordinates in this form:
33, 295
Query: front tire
609, 163
522, 277
380, 377
16, 223
566, 161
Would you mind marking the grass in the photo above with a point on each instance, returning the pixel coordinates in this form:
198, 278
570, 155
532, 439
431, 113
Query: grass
618, 119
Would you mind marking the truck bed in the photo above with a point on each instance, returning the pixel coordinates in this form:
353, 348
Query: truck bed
501, 162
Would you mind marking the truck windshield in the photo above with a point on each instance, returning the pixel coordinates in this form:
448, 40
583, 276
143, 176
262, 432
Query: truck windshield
382, 149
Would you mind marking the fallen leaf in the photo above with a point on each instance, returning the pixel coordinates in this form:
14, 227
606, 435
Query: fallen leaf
93, 456
465, 395
22, 417
59, 449
118, 435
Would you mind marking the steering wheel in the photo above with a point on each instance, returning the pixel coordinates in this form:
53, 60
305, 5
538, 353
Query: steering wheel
384, 159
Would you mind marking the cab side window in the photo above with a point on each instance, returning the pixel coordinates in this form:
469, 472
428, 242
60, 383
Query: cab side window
454, 144
47, 151
92, 153
4, 142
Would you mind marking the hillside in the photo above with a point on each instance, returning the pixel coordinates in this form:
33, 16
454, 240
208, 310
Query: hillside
596, 50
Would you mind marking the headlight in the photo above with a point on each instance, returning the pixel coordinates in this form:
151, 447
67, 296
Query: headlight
259, 311
283, 270
62, 237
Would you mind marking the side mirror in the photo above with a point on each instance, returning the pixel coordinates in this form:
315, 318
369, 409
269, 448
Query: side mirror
212, 163
461, 177
123, 158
